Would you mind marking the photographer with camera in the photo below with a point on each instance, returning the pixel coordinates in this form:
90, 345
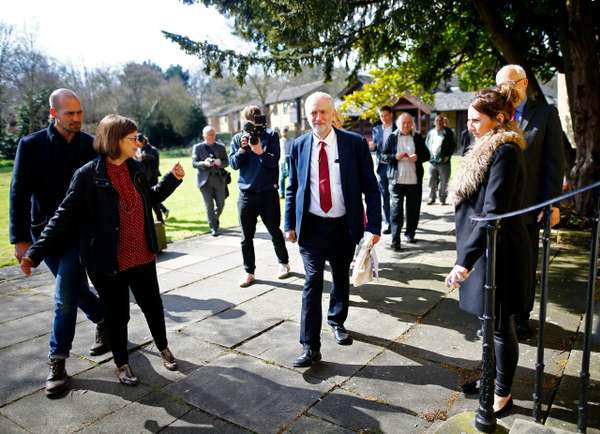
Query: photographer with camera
210, 159
255, 153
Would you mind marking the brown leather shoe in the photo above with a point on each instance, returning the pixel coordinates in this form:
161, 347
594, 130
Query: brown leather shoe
168, 359
57, 381
126, 375
101, 345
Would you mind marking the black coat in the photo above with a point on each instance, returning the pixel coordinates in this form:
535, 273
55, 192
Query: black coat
44, 166
92, 206
500, 191
389, 155
544, 156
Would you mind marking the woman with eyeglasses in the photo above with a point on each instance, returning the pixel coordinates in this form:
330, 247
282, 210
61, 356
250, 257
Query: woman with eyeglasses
109, 204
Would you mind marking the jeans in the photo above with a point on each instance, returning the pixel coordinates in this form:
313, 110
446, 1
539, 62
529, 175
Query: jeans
114, 293
439, 174
323, 240
71, 290
266, 205
213, 193
283, 174
398, 194
384, 189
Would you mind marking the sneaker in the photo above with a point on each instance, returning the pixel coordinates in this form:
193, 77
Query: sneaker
126, 375
57, 380
101, 345
283, 271
247, 280
168, 359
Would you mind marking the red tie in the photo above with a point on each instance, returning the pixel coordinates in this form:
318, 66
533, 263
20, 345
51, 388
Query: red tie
324, 187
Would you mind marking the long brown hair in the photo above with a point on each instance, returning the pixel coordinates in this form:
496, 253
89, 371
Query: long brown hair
493, 102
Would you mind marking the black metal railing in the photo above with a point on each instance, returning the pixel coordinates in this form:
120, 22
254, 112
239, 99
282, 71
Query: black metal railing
485, 420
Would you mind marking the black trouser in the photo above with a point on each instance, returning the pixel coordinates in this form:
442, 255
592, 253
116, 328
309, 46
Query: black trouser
412, 194
324, 239
266, 205
533, 230
506, 349
114, 294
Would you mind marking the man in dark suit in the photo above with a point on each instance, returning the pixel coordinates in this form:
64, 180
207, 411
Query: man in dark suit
381, 133
209, 157
544, 159
330, 170
44, 165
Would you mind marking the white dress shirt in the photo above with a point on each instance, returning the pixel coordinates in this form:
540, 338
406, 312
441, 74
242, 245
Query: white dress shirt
338, 208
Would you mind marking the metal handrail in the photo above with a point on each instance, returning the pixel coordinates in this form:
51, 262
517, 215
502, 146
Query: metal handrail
485, 420
537, 207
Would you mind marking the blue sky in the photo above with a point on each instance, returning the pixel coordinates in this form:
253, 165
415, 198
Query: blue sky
113, 32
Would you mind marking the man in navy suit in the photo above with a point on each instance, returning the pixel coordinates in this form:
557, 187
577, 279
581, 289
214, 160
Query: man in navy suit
330, 170
380, 135
544, 158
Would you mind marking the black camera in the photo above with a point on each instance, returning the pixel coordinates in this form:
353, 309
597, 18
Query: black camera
253, 130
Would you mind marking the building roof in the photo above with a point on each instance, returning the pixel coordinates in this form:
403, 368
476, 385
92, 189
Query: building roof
292, 93
454, 100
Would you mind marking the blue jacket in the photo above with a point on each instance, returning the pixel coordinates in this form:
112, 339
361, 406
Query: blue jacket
257, 172
358, 178
44, 166
378, 140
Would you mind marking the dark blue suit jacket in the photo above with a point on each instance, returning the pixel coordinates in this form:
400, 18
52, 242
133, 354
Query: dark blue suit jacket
358, 178
378, 140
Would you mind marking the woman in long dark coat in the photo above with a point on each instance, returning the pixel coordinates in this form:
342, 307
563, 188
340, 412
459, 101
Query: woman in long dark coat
492, 182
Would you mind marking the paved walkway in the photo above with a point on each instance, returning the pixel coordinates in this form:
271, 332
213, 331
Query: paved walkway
412, 349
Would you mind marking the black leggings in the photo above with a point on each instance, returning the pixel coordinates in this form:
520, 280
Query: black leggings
507, 355
114, 294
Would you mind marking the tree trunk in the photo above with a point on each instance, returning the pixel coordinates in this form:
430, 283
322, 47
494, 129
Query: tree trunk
582, 76
502, 39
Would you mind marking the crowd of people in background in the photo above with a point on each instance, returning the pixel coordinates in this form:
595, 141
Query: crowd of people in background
84, 206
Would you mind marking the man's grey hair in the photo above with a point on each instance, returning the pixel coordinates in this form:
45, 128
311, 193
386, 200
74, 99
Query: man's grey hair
55, 97
207, 129
506, 70
406, 115
316, 96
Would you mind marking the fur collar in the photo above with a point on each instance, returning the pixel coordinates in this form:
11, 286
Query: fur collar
479, 159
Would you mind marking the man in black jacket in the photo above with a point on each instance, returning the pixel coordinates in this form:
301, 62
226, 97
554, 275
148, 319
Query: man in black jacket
44, 165
544, 159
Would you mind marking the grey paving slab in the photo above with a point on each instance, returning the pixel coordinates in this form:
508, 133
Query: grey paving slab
231, 327
19, 282
396, 379
366, 414
23, 303
197, 421
169, 279
93, 395
28, 368
9, 427
23, 329
151, 414
314, 425
179, 262
389, 296
280, 345
190, 352
267, 398
455, 342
